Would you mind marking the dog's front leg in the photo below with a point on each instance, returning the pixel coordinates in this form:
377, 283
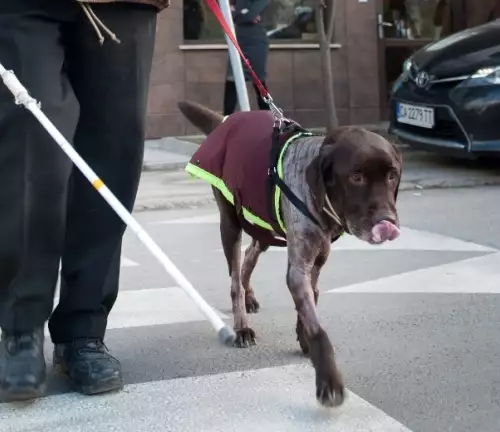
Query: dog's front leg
315, 271
329, 385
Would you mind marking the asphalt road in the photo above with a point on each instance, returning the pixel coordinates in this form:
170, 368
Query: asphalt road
416, 325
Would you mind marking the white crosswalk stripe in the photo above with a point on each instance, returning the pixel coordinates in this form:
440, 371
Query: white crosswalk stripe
150, 307
157, 306
274, 399
480, 275
410, 239
125, 262
213, 218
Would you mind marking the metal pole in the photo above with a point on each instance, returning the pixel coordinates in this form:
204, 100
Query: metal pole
234, 57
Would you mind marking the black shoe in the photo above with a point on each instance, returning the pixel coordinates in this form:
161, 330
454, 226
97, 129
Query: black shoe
22, 365
89, 366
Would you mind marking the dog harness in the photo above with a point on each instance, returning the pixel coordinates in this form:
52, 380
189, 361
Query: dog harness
238, 158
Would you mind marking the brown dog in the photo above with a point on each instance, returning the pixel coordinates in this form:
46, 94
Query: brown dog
348, 181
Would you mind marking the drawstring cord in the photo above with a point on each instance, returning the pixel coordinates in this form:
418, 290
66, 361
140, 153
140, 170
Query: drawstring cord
330, 211
95, 21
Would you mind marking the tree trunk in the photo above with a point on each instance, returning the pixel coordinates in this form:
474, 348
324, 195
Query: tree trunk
325, 37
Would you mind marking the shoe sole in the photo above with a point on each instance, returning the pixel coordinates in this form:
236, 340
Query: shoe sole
105, 385
19, 394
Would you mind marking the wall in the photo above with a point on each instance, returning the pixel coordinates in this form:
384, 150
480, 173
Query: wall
294, 74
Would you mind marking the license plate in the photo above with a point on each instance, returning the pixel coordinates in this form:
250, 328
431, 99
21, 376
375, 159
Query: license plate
415, 115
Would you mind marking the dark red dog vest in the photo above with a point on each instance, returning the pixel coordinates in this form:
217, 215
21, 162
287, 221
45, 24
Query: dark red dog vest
234, 158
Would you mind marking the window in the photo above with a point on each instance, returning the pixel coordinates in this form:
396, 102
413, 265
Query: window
284, 20
413, 19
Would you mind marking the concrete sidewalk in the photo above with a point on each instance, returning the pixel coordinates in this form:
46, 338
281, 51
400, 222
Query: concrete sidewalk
172, 154
167, 154
165, 184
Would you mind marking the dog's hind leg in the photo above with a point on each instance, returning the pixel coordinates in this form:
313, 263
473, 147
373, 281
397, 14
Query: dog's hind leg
252, 254
231, 233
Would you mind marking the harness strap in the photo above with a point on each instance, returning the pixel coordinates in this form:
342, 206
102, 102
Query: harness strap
294, 199
274, 180
273, 157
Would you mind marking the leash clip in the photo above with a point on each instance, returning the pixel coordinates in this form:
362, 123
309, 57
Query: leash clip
276, 112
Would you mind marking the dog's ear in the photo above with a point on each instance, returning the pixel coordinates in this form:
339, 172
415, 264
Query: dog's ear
397, 191
399, 182
317, 172
399, 162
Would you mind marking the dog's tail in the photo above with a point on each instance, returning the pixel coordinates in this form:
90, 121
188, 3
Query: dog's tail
203, 118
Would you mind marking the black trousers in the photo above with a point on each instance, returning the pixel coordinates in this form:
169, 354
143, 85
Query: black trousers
97, 97
231, 97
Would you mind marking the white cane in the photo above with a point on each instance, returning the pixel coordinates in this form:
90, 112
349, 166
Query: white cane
22, 97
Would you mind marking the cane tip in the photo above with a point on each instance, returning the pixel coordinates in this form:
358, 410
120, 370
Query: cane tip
227, 335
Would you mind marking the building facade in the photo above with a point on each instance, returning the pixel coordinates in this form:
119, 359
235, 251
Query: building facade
372, 38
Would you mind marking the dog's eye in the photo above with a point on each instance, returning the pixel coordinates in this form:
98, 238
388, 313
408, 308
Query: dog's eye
357, 177
393, 175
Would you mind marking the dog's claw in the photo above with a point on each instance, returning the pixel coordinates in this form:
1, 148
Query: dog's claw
330, 391
329, 398
251, 304
245, 338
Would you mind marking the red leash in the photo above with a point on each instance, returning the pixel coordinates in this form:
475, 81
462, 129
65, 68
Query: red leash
279, 122
214, 7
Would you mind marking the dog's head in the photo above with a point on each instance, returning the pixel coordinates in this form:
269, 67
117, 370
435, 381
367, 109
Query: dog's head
360, 173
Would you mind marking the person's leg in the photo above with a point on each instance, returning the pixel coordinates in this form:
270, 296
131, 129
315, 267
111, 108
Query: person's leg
111, 82
230, 97
34, 174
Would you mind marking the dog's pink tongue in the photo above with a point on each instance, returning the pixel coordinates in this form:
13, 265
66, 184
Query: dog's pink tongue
384, 231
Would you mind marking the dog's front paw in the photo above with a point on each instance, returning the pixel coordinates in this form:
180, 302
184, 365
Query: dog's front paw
330, 391
245, 337
251, 304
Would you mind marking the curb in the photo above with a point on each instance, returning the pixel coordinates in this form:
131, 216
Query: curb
173, 204
163, 166
443, 184
174, 145
205, 200
380, 128
178, 166
186, 148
